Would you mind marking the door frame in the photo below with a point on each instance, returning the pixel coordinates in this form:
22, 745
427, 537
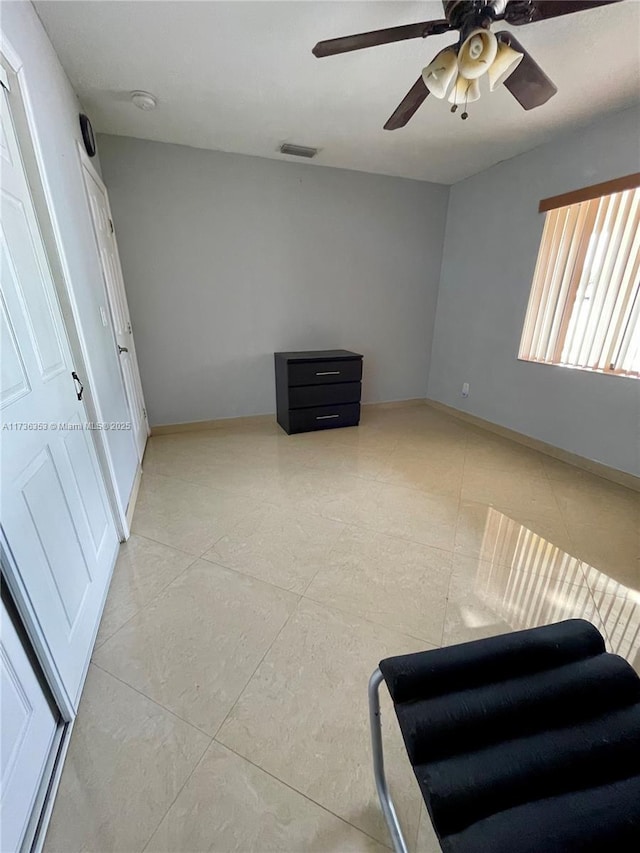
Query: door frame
11, 576
86, 164
43, 803
13, 78
43, 806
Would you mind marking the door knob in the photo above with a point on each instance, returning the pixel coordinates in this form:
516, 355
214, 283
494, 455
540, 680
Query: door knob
122, 349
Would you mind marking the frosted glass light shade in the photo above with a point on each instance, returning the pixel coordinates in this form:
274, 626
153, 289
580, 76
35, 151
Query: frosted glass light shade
477, 53
440, 73
506, 61
465, 91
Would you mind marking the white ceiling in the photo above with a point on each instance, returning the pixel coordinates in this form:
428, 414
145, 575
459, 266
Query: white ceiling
240, 76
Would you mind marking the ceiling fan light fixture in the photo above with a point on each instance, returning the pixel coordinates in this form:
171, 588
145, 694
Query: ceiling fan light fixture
506, 61
440, 73
477, 53
465, 91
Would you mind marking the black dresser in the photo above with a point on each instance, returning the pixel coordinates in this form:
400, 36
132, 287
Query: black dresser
318, 389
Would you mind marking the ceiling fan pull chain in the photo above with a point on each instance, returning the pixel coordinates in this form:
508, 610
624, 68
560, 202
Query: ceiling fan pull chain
465, 114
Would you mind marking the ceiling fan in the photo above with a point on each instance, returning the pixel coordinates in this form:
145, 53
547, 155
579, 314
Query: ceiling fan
455, 71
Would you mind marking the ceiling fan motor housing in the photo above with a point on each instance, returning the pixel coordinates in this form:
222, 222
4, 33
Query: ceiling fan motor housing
467, 15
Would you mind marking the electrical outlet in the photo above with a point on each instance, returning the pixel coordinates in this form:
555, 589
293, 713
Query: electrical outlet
465, 389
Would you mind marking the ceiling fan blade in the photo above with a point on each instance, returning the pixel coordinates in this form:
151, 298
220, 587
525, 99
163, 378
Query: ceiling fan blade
528, 84
414, 98
357, 42
520, 12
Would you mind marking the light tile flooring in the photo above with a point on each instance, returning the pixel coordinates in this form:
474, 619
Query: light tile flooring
225, 708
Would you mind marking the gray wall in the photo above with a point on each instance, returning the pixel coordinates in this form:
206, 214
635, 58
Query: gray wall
492, 238
228, 258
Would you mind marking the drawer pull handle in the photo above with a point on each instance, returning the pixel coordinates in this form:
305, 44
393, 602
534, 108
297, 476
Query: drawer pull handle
326, 417
328, 373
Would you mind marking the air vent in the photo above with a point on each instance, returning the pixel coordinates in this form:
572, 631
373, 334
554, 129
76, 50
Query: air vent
298, 150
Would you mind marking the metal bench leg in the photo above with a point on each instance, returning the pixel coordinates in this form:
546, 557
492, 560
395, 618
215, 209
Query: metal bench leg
388, 809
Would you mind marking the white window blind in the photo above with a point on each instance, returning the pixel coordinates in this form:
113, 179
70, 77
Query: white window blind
584, 307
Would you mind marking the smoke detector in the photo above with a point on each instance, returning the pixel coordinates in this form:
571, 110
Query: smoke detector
144, 100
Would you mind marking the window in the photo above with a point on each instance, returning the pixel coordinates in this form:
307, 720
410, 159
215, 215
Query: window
584, 307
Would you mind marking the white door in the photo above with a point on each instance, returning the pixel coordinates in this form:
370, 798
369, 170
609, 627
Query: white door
53, 500
28, 729
112, 273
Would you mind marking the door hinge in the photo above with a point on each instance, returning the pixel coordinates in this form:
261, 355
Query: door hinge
129, 328
111, 226
144, 412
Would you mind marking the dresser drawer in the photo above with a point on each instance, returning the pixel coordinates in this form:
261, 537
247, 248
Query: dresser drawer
303, 396
320, 372
324, 417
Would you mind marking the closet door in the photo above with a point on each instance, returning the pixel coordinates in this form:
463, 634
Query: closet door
55, 513
114, 283
28, 730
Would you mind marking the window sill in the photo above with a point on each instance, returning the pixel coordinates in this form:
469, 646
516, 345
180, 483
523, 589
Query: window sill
575, 367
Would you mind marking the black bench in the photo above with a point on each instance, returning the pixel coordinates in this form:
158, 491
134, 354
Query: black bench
524, 743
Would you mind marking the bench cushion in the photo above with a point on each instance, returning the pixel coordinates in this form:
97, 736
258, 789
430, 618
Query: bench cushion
534, 726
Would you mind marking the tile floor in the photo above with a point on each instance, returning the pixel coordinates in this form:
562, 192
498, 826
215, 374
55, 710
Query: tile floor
225, 708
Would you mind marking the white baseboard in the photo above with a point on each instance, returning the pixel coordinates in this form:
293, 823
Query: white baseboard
397, 404
218, 423
622, 478
246, 420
